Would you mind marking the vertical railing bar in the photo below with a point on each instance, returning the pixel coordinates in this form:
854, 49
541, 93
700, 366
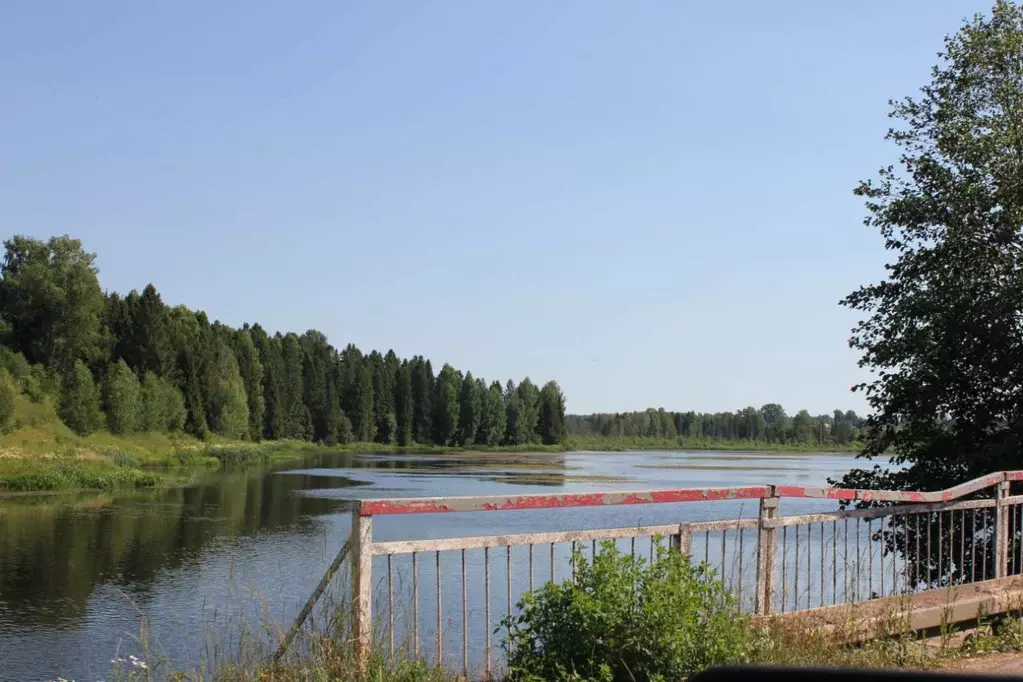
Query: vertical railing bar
795, 572
465, 618
1016, 546
440, 632
486, 608
983, 566
895, 556
941, 542
823, 552
740, 567
390, 605
530, 567
834, 562
706, 548
633, 551
870, 558
916, 559
571, 561
415, 605
859, 558
880, 558
593, 551
784, 565
724, 538
508, 575
809, 564
552, 562
973, 549
962, 546
845, 561
930, 564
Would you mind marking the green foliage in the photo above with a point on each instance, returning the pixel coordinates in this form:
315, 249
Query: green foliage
7, 393
161, 367
623, 619
445, 405
552, 414
470, 411
422, 400
227, 404
163, 406
15, 363
493, 417
123, 397
403, 413
125, 459
51, 300
748, 427
251, 371
942, 332
79, 400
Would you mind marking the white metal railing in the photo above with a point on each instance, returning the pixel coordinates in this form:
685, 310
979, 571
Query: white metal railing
773, 564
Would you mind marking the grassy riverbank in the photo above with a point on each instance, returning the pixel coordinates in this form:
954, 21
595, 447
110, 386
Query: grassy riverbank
42, 454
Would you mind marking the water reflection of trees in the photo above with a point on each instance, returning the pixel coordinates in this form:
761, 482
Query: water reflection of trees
54, 554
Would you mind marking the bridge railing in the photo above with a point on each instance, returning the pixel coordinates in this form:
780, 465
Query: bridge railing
448, 594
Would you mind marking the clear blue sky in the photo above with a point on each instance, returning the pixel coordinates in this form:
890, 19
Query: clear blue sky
648, 201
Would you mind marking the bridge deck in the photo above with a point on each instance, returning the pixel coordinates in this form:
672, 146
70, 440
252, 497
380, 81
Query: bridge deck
926, 610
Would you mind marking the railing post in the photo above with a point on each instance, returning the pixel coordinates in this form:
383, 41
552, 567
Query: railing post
682, 541
1002, 532
362, 585
766, 572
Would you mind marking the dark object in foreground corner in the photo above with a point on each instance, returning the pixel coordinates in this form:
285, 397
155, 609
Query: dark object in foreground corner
770, 674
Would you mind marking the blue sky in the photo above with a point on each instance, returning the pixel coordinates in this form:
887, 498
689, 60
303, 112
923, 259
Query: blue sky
648, 201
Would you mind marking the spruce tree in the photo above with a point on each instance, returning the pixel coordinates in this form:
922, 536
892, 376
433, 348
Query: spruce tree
552, 414
403, 411
445, 405
469, 410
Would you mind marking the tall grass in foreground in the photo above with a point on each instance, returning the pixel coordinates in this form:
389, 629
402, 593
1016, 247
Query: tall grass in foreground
619, 619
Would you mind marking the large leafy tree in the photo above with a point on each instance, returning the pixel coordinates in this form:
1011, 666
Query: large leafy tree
50, 301
943, 331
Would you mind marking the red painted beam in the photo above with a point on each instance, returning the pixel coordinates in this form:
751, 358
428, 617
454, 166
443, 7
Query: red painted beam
434, 505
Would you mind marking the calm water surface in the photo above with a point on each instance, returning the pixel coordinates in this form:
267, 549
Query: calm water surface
79, 573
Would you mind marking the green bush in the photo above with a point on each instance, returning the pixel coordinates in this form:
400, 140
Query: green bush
163, 406
7, 394
125, 460
624, 619
79, 400
123, 397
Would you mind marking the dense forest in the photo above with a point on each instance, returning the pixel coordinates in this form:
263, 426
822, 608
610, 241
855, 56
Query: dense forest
133, 363
769, 424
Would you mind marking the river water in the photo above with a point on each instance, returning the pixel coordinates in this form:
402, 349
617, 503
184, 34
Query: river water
199, 566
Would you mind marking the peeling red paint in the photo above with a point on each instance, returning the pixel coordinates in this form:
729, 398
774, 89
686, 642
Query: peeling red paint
464, 504
496, 503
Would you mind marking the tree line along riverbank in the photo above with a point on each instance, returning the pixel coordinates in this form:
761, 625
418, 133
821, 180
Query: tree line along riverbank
96, 387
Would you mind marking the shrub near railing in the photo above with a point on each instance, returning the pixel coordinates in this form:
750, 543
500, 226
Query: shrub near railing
622, 618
